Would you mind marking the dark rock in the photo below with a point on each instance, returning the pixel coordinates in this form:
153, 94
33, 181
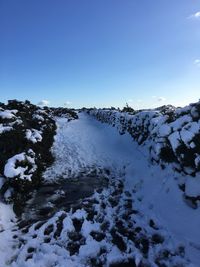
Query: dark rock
152, 224
118, 240
30, 249
73, 247
49, 229
144, 245
77, 224
157, 239
59, 226
98, 236
105, 225
38, 225
47, 240
74, 236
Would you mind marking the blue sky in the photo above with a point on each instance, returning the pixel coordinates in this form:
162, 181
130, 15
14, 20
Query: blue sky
100, 52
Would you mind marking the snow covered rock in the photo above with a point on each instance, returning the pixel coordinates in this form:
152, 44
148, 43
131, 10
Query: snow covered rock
33, 135
7, 114
21, 166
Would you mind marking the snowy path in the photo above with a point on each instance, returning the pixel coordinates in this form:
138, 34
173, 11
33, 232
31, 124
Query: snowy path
86, 142
145, 217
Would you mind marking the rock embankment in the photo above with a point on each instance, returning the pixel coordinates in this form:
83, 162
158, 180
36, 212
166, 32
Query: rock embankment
172, 135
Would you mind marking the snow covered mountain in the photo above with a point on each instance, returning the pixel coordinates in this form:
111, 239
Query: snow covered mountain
120, 193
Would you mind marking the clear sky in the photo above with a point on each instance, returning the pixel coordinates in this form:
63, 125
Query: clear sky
100, 52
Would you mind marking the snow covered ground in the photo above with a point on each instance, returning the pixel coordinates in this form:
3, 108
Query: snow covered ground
160, 228
87, 143
7, 226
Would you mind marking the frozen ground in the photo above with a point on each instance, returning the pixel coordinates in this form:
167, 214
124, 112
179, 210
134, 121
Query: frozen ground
140, 219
